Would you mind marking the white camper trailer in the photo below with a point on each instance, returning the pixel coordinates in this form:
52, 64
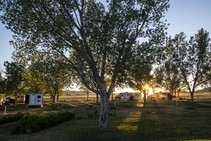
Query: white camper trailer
35, 100
130, 96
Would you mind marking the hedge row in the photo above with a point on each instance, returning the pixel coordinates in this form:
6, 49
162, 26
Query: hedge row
33, 122
11, 117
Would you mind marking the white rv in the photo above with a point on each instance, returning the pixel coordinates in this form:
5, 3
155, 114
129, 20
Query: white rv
35, 100
130, 96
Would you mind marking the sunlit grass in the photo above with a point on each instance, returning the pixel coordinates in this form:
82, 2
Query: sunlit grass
86, 102
127, 127
130, 122
71, 105
60, 104
139, 104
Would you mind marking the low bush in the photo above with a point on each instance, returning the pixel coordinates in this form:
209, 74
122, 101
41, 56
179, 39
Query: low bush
33, 122
92, 113
11, 117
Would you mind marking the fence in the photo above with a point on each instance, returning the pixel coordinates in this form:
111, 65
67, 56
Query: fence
91, 97
197, 96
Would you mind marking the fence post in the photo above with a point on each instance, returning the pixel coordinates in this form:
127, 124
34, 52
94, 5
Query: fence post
5, 109
177, 103
115, 104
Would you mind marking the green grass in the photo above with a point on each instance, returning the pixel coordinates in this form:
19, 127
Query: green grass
22, 107
176, 123
59, 105
87, 102
157, 121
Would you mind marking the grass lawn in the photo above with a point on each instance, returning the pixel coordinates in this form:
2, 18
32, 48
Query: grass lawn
170, 122
129, 121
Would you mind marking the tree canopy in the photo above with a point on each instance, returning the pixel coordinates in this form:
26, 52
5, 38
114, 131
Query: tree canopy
94, 41
192, 58
168, 77
14, 79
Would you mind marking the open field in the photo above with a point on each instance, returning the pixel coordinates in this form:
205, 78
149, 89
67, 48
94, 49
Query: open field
92, 97
197, 96
76, 98
159, 120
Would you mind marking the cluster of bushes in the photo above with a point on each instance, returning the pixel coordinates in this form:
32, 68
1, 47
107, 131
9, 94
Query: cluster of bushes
92, 113
11, 117
33, 122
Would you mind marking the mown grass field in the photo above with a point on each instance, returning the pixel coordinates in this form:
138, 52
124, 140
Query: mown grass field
161, 120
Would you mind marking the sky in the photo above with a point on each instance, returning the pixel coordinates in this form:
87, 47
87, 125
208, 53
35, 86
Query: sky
186, 16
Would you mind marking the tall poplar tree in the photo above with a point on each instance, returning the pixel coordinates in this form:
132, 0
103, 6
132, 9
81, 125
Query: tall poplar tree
14, 78
94, 40
193, 58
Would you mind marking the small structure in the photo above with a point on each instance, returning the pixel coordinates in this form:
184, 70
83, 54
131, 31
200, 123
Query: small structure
151, 97
117, 97
20, 98
130, 96
34, 99
2, 99
163, 96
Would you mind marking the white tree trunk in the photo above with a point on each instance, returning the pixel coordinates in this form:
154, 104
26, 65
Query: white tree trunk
103, 120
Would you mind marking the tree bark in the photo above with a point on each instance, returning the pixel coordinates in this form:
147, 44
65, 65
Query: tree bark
145, 98
57, 98
172, 91
192, 98
87, 92
54, 97
210, 92
178, 93
103, 120
15, 100
97, 98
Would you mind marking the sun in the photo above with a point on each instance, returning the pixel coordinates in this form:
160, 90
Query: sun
146, 87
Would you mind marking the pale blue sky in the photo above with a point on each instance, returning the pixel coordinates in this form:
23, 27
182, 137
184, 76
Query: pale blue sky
183, 15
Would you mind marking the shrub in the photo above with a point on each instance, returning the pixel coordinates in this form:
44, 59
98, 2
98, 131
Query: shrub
27, 123
33, 122
11, 117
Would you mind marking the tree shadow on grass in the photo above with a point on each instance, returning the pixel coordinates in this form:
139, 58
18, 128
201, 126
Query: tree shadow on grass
161, 122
